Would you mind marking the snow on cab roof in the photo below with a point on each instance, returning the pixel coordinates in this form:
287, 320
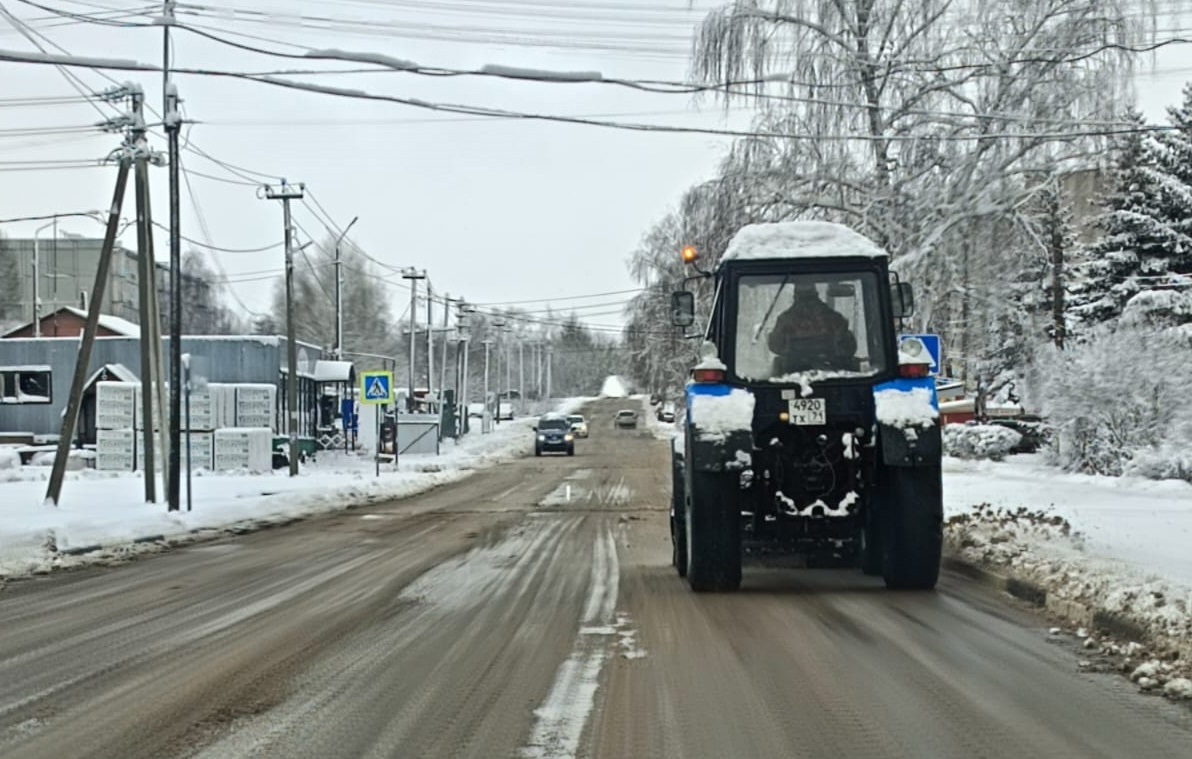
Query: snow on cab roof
799, 239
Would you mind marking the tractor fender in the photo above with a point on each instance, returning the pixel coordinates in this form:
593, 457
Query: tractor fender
729, 452
908, 429
719, 428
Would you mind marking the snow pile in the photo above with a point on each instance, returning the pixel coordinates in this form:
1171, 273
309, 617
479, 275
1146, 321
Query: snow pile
1121, 396
1161, 677
979, 441
799, 239
613, 387
1117, 546
103, 514
905, 408
9, 458
716, 415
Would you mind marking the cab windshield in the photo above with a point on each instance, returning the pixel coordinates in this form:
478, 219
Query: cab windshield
553, 424
806, 327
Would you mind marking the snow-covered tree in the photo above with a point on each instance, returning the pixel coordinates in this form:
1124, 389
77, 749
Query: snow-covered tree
1119, 395
204, 309
368, 324
927, 126
1144, 240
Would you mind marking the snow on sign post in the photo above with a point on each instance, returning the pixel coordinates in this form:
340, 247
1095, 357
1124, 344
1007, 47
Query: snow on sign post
376, 389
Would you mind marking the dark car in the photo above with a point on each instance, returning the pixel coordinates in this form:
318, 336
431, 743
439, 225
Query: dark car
553, 433
625, 420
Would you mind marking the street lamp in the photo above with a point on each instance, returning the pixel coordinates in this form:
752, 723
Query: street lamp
339, 311
37, 261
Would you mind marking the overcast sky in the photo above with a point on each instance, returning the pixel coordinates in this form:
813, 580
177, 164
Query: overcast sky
495, 210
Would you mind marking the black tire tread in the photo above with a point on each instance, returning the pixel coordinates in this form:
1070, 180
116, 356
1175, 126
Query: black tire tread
913, 528
713, 527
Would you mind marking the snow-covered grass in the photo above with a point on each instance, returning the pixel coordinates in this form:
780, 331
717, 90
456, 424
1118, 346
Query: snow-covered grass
106, 510
1118, 545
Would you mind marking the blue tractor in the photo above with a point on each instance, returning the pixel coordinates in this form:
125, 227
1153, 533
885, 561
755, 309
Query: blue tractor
811, 433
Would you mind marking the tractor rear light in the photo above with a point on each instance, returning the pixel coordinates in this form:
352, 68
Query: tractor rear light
707, 376
914, 370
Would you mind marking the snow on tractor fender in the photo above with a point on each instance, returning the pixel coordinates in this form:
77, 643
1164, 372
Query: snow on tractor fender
720, 426
907, 412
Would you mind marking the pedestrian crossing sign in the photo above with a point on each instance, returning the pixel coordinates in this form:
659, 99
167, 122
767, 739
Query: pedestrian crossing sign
376, 388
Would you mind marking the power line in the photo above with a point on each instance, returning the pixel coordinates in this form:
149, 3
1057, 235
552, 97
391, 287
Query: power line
261, 249
28, 33
604, 123
206, 232
563, 297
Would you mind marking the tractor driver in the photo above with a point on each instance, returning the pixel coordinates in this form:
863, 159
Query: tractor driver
811, 335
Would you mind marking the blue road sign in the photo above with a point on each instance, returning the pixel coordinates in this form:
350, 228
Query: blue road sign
932, 344
376, 388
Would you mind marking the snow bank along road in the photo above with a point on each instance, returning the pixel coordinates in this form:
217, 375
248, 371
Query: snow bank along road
530, 611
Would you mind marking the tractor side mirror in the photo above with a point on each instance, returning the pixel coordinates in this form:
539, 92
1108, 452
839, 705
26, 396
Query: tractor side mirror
682, 308
902, 295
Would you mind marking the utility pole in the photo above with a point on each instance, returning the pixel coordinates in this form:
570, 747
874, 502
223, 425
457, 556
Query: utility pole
173, 125
150, 340
521, 375
509, 365
447, 301
462, 362
171, 433
499, 326
74, 401
285, 193
537, 358
413, 275
339, 307
485, 424
430, 350
549, 350
37, 274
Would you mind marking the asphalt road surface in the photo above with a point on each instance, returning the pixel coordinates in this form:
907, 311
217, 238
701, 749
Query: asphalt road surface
530, 611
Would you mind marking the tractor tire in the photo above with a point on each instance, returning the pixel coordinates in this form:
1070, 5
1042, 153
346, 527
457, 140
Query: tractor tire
713, 527
913, 527
872, 555
677, 524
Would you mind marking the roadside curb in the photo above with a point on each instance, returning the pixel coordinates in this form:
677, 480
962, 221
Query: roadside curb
1074, 612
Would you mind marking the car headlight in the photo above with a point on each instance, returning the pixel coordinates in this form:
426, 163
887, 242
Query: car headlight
541, 438
569, 437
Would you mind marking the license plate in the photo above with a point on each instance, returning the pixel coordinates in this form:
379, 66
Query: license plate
808, 412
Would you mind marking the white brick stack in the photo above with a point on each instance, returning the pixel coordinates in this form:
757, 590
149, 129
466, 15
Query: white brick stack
244, 448
114, 450
231, 427
255, 405
115, 405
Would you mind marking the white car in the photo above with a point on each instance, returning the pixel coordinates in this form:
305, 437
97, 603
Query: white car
579, 425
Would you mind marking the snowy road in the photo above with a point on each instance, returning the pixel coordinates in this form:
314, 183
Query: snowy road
530, 611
